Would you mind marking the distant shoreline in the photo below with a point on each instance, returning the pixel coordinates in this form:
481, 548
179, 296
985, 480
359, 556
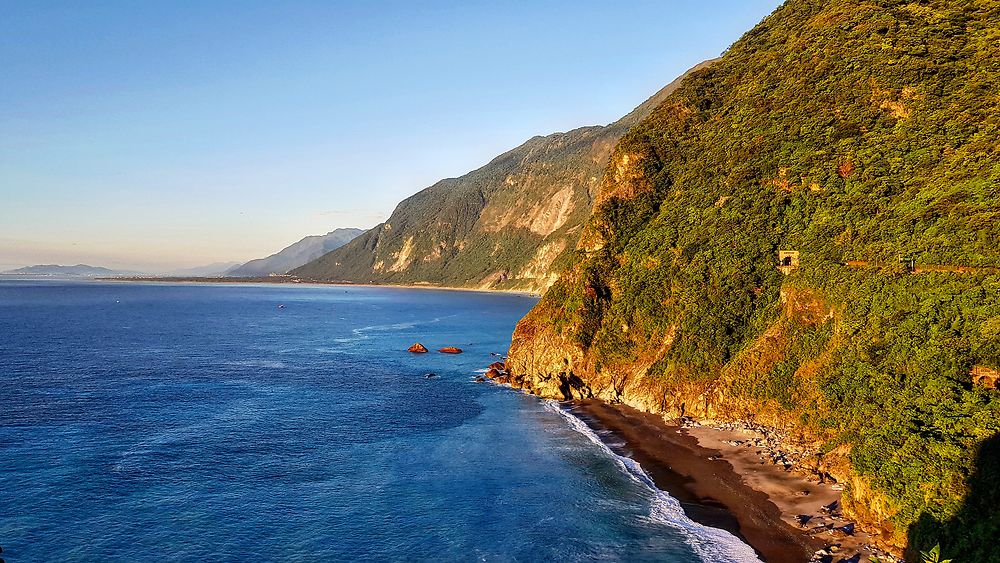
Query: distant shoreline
289, 280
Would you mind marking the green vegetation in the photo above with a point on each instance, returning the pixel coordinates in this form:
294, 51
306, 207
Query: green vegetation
933, 555
511, 224
467, 231
846, 130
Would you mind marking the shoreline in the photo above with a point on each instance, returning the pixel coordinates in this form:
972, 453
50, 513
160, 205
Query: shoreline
721, 480
310, 283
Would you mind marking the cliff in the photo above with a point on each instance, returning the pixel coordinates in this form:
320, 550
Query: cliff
862, 137
507, 225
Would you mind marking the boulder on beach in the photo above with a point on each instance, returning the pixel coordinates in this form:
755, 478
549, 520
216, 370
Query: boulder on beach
450, 350
417, 348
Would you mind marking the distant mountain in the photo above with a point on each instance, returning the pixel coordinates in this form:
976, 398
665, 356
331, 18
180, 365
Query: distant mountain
508, 225
302, 252
209, 270
79, 270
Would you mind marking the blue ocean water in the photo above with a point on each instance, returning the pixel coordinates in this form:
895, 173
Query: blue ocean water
143, 422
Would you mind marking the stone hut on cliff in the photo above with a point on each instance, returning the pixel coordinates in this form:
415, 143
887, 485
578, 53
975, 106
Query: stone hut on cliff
985, 376
788, 261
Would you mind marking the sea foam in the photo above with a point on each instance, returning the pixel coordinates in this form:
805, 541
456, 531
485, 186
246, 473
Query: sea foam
712, 544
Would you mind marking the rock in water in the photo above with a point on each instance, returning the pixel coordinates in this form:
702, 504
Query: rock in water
499, 366
450, 350
417, 348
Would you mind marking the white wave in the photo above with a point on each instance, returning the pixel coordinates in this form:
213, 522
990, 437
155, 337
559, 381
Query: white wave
397, 326
712, 544
383, 328
268, 364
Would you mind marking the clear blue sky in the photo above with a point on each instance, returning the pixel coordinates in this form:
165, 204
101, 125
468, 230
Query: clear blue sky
164, 134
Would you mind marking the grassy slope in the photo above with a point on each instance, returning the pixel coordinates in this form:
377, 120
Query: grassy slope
844, 129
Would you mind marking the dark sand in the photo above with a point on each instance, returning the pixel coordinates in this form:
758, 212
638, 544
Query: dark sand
708, 486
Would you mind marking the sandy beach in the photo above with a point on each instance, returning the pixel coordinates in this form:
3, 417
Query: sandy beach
724, 479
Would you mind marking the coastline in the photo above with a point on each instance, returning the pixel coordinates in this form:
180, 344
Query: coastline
717, 474
309, 283
722, 480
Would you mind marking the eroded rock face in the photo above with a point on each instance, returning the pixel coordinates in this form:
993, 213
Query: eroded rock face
549, 362
505, 225
417, 348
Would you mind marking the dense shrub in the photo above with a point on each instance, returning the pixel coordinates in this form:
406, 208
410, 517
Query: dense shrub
847, 130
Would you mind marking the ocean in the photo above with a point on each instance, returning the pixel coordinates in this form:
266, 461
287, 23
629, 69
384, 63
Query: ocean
215, 422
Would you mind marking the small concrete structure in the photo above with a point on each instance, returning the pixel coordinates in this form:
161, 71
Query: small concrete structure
910, 263
985, 376
788, 260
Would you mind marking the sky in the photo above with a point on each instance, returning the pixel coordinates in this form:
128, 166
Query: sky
157, 135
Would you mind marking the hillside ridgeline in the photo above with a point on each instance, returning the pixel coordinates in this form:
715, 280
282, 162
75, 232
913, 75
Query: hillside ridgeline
507, 225
296, 254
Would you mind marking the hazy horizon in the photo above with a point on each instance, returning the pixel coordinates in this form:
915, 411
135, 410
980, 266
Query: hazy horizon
154, 137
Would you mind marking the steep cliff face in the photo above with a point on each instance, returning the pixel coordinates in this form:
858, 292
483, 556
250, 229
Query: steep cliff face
849, 132
507, 225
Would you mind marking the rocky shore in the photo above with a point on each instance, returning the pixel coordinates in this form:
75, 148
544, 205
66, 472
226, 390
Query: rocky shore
736, 476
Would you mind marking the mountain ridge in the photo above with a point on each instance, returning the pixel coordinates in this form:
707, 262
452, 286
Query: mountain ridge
506, 225
294, 255
78, 270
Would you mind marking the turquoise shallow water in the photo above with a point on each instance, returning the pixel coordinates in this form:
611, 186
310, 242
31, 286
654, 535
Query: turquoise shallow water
203, 422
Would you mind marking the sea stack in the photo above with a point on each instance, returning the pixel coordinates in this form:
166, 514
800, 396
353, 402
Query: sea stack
417, 348
450, 350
